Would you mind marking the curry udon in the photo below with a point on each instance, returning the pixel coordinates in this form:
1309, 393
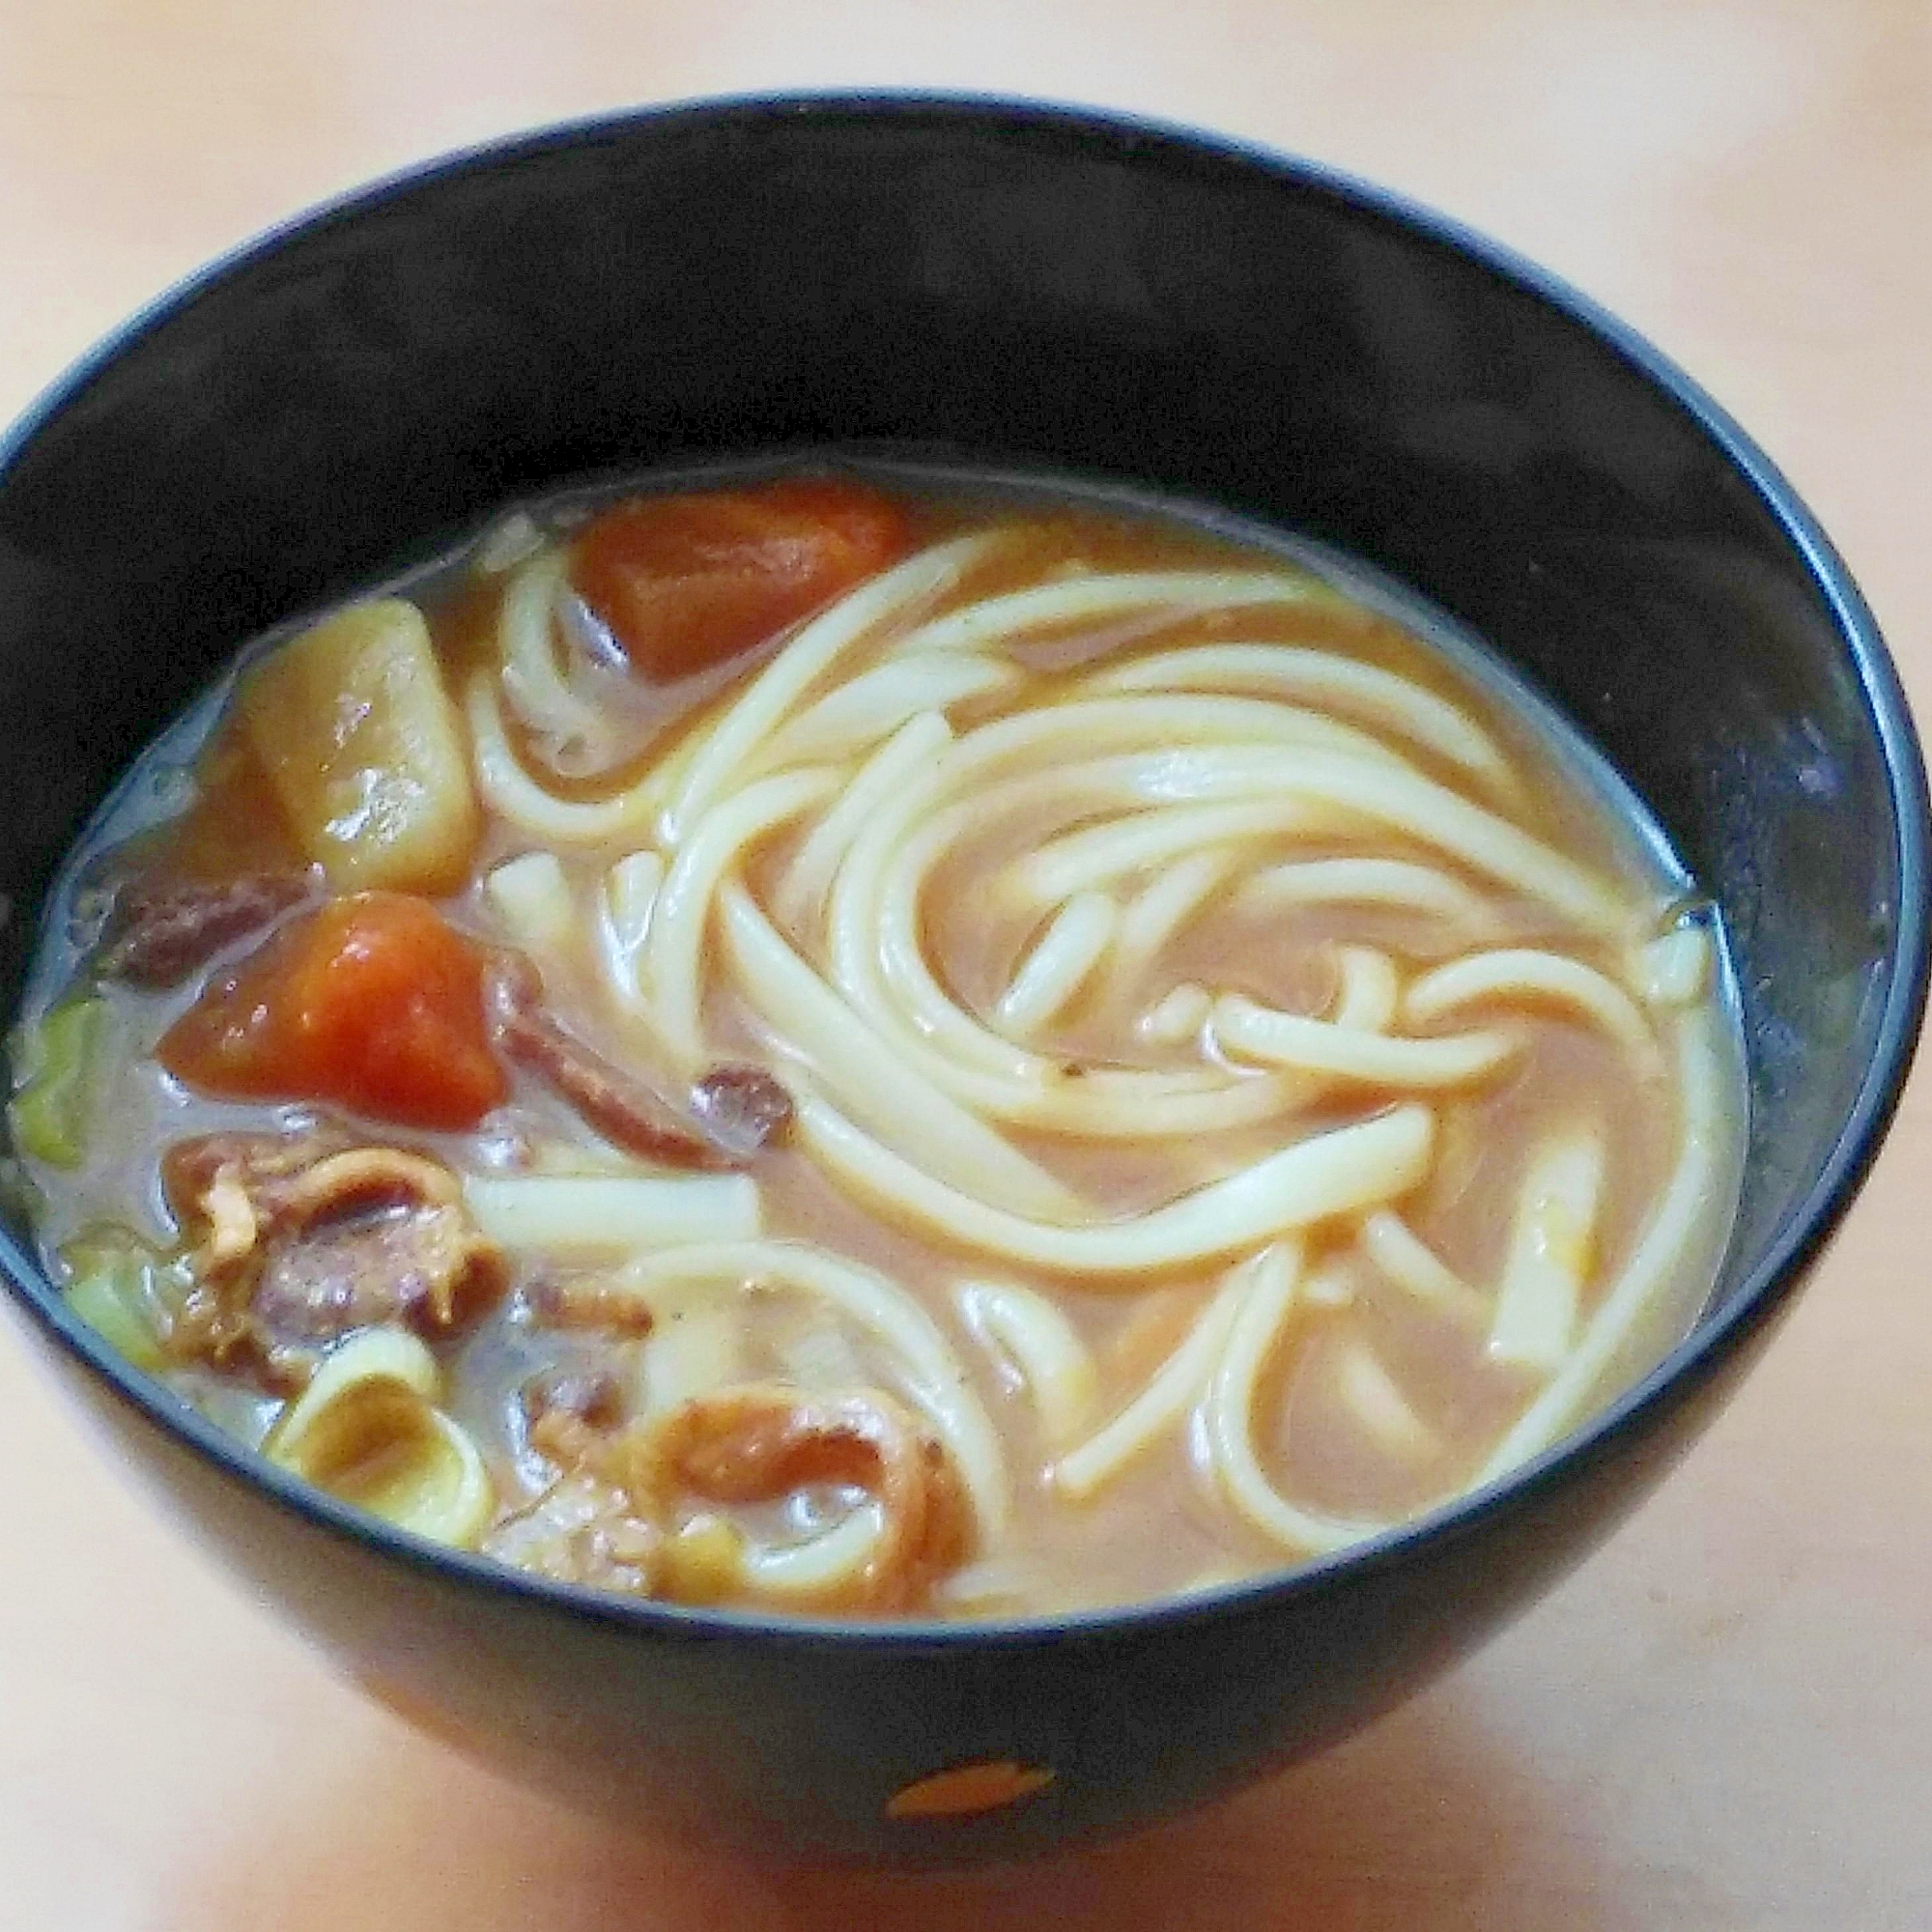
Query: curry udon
849, 1045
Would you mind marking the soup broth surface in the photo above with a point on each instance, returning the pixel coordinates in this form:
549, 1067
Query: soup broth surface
1163, 1059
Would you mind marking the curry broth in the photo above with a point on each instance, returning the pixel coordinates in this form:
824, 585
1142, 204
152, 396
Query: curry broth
1057, 1554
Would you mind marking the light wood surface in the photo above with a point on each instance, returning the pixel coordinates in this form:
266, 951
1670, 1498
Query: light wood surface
1725, 1719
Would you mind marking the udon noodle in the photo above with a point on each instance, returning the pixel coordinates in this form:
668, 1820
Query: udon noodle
889, 1052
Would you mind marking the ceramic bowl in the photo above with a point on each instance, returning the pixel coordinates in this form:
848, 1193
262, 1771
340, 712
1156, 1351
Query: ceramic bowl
1032, 288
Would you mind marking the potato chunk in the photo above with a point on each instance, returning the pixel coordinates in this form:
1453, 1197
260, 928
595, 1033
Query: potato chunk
352, 724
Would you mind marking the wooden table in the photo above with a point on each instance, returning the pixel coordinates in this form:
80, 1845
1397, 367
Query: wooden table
1725, 1719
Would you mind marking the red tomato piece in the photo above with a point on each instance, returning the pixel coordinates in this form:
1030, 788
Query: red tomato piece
685, 582
372, 1001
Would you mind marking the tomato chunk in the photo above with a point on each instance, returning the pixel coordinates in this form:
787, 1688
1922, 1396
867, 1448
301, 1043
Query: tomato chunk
372, 1001
685, 582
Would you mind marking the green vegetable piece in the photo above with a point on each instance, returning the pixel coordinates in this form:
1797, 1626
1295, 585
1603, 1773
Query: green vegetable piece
108, 1297
56, 1062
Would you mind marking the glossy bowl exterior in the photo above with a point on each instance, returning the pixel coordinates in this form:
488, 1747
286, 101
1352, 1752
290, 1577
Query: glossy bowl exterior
1022, 287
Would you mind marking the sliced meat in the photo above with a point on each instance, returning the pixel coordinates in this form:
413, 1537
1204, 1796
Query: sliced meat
356, 1180
581, 1532
588, 1301
764, 1440
160, 932
215, 1184
399, 1267
584, 1528
623, 1110
188, 1168
731, 1113
593, 1397
757, 1444
301, 1239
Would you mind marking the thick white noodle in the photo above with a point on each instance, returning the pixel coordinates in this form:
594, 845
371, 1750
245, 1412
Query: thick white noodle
1528, 975
1161, 908
1104, 598
936, 1379
512, 794
1354, 1053
1103, 1104
1098, 855
853, 717
733, 742
1060, 964
1674, 970
1330, 1285
530, 895
625, 907
1551, 1251
508, 545
1016, 1326
1177, 1015
1335, 1173
1399, 883
1255, 1333
1646, 1276
807, 1570
1168, 1395
691, 1350
879, 963
536, 690
1378, 1402
1366, 999
820, 1358
631, 890
1182, 748
1374, 784
671, 967
1192, 730
1130, 1104
874, 918
1407, 1261
882, 1091
875, 946
1369, 989
613, 1214
1449, 823
909, 829
877, 956
1311, 676
802, 893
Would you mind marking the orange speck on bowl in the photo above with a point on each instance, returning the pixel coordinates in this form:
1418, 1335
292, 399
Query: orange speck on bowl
968, 1789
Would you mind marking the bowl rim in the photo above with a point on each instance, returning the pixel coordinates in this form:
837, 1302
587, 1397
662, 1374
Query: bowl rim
1134, 139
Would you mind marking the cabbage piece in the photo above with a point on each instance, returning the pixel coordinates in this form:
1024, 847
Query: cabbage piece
116, 1288
367, 1430
57, 1060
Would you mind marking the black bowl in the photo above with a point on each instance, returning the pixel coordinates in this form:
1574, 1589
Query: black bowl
1027, 288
